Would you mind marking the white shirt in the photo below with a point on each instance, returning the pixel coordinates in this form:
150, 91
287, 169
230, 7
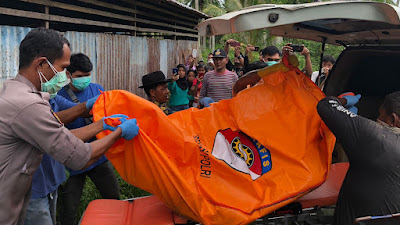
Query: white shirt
314, 76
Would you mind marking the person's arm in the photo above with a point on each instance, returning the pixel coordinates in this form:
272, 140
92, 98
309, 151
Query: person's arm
88, 132
71, 111
127, 130
99, 147
36, 125
172, 85
308, 64
192, 63
246, 63
249, 49
349, 129
69, 115
226, 46
241, 61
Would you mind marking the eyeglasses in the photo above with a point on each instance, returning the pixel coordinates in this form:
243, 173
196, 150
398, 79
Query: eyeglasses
271, 59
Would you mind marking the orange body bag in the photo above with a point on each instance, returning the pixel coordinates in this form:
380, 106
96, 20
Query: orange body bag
233, 162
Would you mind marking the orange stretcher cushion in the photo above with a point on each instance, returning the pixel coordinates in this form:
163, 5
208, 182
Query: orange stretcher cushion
328, 192
146, 210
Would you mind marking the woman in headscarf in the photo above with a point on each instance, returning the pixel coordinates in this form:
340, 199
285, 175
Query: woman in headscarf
179, 90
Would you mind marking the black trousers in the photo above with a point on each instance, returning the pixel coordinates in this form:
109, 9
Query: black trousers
103, 177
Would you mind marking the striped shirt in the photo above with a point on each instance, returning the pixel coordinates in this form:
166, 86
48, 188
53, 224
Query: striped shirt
218, 86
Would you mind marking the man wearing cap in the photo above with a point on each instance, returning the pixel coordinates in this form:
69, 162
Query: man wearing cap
156, 88
217, 84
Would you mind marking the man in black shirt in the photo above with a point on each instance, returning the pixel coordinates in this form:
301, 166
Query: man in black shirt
372, 183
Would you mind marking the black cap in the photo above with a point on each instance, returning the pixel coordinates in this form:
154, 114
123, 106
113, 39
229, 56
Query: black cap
220, 53
154, 78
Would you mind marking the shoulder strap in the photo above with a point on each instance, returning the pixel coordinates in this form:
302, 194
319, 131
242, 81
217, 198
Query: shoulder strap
71, 94
76, 100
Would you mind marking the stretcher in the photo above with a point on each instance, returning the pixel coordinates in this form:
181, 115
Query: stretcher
136, 211
150, 210
315, 208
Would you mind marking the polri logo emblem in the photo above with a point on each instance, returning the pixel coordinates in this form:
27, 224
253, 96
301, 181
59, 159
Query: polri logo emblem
242, 153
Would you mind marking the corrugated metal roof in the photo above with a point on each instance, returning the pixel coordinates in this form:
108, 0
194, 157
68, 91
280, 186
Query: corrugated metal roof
119, 61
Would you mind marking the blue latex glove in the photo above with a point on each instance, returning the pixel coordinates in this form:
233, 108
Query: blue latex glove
353, 109
206, 101
90, 102
123, 118
351, 100
129, 129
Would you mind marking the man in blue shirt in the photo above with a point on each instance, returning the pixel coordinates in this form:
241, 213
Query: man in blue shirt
101, 172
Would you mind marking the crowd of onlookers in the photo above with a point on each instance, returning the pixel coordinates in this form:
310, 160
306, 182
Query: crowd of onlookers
197, 84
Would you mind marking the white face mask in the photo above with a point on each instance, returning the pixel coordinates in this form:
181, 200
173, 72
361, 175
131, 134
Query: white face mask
395, 130
56, 83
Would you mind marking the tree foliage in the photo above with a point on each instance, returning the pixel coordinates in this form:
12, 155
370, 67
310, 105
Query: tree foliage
213, 10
